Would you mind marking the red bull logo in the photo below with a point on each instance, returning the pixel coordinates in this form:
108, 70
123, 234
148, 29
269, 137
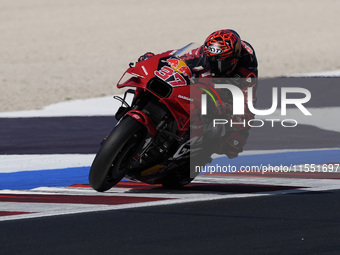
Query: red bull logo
179, 66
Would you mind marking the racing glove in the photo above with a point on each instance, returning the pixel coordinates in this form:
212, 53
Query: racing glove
233, 144
146, 56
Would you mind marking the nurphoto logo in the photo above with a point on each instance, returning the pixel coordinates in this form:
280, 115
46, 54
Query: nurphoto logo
239, 102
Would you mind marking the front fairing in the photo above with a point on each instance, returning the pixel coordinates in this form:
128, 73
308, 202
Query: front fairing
174, 70
143, 71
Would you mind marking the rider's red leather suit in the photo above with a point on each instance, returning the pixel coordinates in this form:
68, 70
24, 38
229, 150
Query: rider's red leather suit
244, 75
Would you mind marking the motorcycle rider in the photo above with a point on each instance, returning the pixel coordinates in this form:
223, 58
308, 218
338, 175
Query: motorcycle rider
224, 55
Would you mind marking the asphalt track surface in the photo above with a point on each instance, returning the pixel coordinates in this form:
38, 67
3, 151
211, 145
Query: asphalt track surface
294, 223
306, 223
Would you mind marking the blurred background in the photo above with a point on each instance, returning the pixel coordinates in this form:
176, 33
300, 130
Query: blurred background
53, 51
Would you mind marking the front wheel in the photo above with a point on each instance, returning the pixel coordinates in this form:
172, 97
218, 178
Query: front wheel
112, 160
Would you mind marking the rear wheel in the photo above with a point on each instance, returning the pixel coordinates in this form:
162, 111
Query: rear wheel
112, 160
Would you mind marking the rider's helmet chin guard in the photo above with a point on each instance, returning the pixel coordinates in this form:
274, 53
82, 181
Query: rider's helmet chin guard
223, 50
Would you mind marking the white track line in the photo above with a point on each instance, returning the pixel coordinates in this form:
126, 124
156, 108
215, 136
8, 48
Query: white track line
174, 196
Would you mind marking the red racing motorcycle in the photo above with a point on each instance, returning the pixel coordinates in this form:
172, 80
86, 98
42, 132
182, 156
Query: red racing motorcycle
152, 141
